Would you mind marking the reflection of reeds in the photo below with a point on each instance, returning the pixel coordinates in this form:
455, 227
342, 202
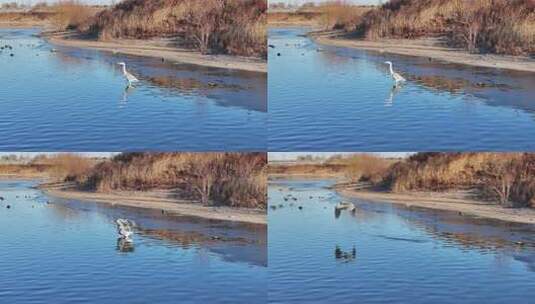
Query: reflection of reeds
190, 84
186, 239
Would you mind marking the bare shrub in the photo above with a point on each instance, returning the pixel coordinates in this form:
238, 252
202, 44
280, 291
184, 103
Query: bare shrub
66, 166
495, 26
235, 27
365, 167
232, 179
69, 14
506, 176
341, 14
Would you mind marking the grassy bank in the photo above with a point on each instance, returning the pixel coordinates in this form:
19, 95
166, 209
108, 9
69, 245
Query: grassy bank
61, 15
215, 179
233, 27
236, 27
505, 178
351, 167
478, 26
229, 179
328, 15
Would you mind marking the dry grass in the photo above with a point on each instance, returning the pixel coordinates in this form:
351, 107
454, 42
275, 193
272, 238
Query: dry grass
505, 177
341, 14
24, 170
363, 167
70, 14
316, 170
66, 166
232, 179
59, 167
480, 26
235, 27
353, 167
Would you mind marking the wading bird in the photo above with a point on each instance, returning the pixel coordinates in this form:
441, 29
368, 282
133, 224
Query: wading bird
129, 77
124, 228
398, 78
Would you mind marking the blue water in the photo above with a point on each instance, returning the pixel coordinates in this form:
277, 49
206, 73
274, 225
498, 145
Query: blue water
75, 100
337, 99
401, 255
68, 252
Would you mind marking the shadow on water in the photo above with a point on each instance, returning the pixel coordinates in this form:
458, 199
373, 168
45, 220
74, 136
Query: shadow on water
50, 246
514, 89
233, 242
456, 230
229, 88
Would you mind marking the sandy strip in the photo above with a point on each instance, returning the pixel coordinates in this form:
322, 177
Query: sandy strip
145, 201
144, 48
407, 48
438, 202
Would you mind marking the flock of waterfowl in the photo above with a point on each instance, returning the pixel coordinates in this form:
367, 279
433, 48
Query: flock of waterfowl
292, 200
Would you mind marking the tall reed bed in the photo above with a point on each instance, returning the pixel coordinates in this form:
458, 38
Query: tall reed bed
506, 177
68, 14
479, 26
232, 179
341, 14
235, 27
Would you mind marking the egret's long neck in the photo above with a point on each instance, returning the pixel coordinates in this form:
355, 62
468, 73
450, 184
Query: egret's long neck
391, 69
124, 69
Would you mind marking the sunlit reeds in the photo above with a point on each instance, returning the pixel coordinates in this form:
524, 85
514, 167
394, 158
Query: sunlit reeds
218, 26
507, 177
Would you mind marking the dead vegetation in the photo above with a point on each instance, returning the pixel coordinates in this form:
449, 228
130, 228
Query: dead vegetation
231, 179
503, 177
69, 14
236, 27
352, 167
479, 26
58, 167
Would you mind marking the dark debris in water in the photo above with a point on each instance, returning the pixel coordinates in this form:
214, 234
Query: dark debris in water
345, 256
456, 85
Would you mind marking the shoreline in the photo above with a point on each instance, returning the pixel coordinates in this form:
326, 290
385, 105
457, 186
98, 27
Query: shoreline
171, 206
146, 49
413, 48
436, 201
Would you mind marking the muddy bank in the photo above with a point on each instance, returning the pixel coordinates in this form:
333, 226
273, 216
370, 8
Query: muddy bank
154, 200
426, 48
445, 201
159, 49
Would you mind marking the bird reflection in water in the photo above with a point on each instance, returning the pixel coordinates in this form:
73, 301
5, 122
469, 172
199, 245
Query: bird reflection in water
125, 246
345, 256
128, 90
393, 92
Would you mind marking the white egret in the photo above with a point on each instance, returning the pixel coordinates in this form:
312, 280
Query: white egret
398, 78
124, 228
129, 77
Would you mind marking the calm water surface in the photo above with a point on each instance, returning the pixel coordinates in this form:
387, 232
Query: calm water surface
388, 254
75, 100
327, 98
68, 252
